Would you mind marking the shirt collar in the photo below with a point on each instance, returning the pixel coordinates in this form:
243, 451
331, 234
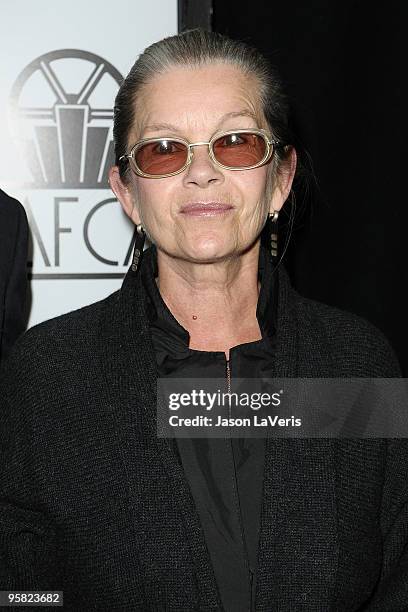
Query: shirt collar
160, 316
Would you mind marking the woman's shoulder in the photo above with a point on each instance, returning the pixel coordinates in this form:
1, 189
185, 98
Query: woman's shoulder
348, 337
337, 321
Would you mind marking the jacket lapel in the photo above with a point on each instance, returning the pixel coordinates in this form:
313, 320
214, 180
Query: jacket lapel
297, 555
320, 540
175, 563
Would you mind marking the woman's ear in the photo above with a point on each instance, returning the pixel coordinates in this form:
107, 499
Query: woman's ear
124, 193
284, 180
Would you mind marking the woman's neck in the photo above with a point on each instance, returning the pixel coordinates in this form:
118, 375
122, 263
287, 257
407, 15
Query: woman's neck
215, 303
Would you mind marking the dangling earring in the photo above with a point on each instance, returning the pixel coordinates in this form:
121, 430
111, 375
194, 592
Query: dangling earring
274, 233
140, 236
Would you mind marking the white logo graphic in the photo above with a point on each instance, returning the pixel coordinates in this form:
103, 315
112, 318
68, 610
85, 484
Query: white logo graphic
61, 107
61, 112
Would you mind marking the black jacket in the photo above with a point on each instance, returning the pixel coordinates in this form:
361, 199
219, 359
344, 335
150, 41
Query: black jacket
13, 271
95, 504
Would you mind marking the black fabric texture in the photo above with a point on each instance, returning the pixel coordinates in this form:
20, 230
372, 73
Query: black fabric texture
94, 503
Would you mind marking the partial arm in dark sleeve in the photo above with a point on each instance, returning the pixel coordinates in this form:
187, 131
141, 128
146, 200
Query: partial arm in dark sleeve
14, 268
27, 534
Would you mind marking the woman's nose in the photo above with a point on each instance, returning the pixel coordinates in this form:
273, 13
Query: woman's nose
202, 170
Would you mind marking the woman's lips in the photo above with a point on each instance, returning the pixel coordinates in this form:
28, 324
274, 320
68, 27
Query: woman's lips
205, 209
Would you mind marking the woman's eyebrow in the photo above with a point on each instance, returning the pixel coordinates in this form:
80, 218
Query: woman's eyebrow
161, 126
241, 113
173, 128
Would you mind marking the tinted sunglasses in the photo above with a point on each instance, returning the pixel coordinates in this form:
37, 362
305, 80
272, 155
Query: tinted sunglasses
232, 150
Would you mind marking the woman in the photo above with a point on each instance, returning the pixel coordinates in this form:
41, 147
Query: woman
93, 502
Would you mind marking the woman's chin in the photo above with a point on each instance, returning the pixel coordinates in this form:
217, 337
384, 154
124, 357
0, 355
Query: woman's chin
206, 250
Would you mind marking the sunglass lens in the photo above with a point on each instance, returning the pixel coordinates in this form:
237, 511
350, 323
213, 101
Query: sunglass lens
240, 150
161, 157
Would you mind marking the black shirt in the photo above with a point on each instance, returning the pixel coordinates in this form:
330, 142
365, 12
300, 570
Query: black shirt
225, 475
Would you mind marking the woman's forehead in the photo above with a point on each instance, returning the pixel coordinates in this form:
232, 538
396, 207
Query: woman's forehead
209, 96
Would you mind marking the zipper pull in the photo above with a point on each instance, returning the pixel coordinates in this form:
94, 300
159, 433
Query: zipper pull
228, 374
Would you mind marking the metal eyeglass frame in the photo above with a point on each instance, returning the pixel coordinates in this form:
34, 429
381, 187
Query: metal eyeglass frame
269, 150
